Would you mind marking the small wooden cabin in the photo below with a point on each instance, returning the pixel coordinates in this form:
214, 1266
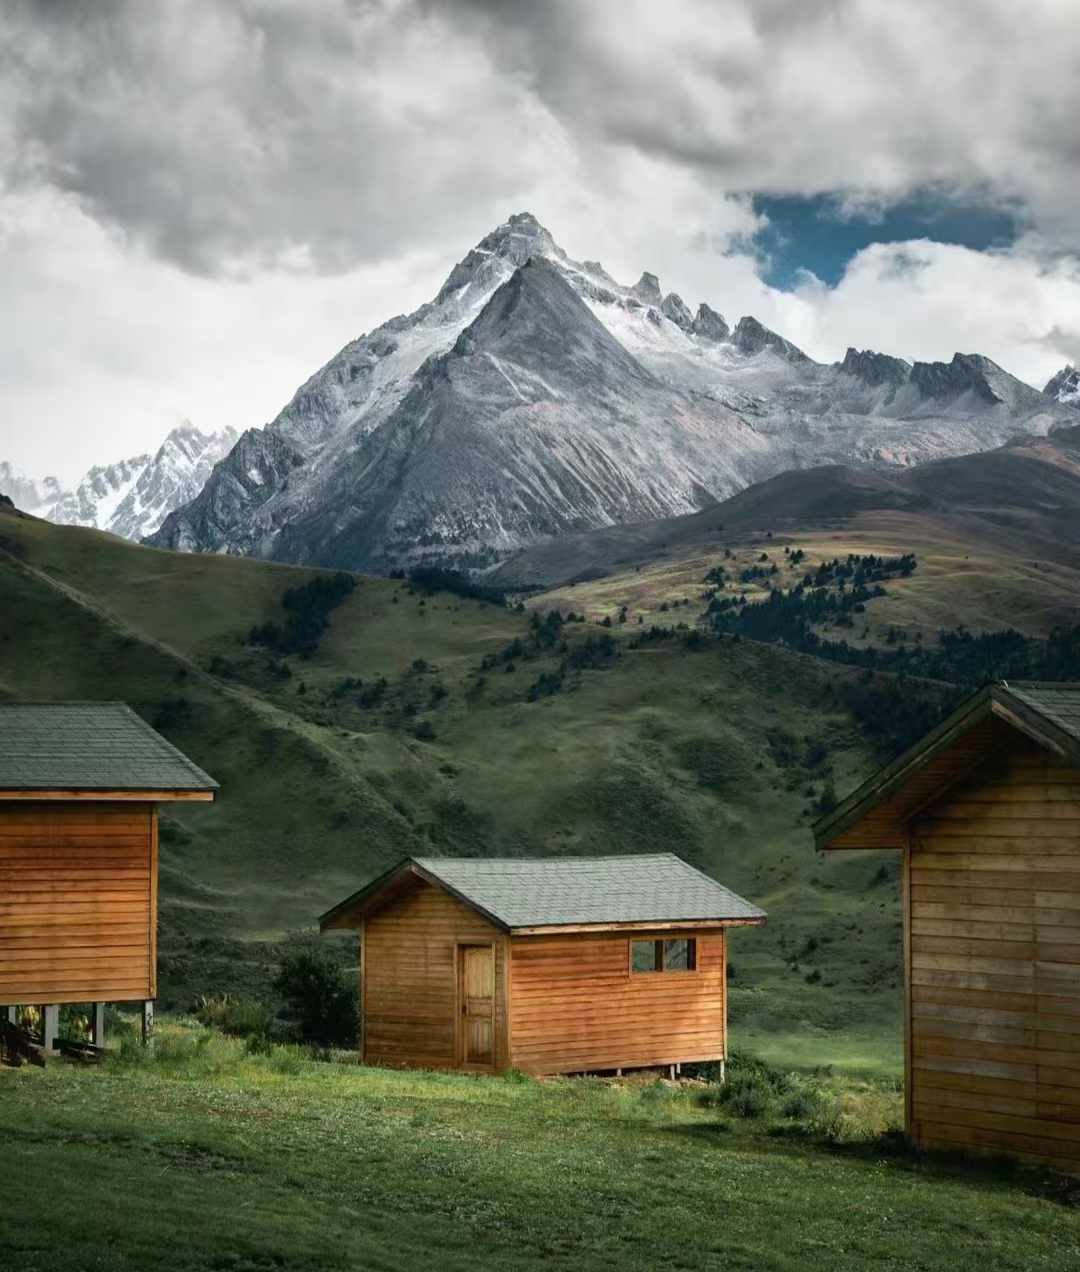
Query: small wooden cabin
80, 783
986, 812
553, 965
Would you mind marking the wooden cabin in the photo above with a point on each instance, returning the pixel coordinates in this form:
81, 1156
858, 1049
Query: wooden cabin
986, 813
553, 965
80, 783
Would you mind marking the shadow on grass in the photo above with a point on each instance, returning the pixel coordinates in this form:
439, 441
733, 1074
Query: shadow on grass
893, 1148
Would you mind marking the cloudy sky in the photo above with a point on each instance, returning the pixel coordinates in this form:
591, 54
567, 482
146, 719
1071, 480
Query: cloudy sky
202, 200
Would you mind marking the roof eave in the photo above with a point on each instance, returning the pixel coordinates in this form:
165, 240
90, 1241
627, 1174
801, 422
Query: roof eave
136, 794
991, 700
652, 925
369, 895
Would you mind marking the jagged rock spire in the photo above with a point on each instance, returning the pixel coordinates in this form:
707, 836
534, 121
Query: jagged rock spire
674, 307
647, 288
874, 368
751, 336
1065, 386
710, 325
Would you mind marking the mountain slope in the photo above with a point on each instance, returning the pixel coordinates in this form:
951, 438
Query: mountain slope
536, 422
996, 534
1029, 489
28, 493
496, 415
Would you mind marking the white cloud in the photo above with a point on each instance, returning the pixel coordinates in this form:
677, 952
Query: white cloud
925, 301
103, 348
871, 97
201, 202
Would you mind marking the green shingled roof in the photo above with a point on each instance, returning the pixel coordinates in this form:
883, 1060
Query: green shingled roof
568, 891
89, 746
1056, 701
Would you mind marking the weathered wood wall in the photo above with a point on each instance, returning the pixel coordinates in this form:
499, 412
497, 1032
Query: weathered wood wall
576, 1005
78, 902
410, 1001
994, 977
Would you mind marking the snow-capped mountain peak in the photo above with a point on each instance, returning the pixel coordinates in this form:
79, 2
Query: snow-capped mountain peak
1065, 386
498, 254
130, 497
536, 394
26, 492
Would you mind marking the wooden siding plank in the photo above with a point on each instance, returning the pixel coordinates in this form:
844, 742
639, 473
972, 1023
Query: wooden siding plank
995, 995
409, 978
576, 1005
76, 919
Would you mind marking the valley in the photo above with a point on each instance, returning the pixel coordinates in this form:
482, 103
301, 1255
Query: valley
592, 712
718, 754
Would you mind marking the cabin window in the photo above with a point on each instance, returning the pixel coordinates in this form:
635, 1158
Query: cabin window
663, 956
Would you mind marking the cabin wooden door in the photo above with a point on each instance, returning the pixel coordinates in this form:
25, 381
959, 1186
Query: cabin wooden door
476, 998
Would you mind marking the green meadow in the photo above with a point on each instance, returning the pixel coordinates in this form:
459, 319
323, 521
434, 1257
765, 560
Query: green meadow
200, 1155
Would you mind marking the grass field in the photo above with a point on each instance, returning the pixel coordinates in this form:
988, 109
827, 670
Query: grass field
205, 1157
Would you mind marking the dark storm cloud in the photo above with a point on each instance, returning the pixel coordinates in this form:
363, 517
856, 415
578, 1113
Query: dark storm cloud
815, 96
221, 133
316, 134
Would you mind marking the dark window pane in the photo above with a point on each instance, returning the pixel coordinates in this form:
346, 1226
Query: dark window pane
678, 956
643, 956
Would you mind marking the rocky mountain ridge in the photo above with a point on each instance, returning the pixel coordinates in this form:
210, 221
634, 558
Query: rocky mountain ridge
535, 396
130, 497
1065, 386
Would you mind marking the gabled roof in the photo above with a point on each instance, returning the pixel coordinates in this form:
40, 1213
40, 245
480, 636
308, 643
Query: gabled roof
1047, 713
516, 895
89, 746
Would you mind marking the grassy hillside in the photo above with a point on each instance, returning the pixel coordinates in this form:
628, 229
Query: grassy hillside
207, 1157
996, 534
964, 577
412, 730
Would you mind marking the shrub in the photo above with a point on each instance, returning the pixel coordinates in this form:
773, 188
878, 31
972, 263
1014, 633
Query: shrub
752, 1087
660, 1092
749, 1097
323, 1000
258, 1045
242, 1017
803, 1104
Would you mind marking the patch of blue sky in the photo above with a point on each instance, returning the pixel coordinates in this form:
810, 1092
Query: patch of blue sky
821, 233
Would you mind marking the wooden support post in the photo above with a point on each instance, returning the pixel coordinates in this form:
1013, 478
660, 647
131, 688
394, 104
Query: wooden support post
97, 1024
678, 1069
147, 1021
723, 1072
12, 1014
50, 1025
671, 1072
